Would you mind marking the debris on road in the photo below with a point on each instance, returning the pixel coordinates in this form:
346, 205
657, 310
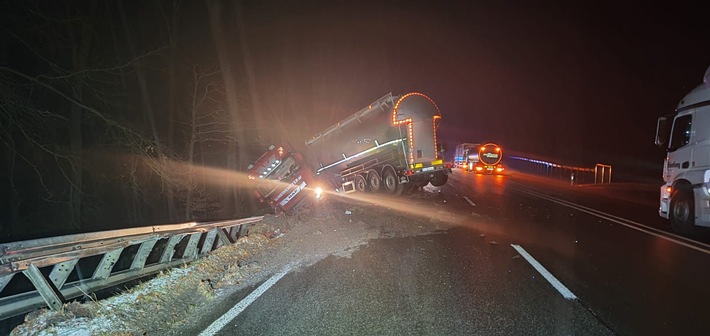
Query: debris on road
431, 189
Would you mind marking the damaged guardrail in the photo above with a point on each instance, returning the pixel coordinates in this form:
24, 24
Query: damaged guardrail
65, 267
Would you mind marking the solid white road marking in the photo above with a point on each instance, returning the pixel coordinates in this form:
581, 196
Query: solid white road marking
566, 293
680, 240
469, 201
217, 325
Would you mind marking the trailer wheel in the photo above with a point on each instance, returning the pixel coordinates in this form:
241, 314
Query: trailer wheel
374, 181
391, 181
360, 183
682, 211
439, 179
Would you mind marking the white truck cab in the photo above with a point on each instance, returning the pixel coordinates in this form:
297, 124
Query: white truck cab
685, 135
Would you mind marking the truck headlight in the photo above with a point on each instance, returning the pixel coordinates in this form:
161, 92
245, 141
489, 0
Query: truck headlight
318, 192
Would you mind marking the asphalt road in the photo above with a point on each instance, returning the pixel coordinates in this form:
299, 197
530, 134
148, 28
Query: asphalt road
605, 245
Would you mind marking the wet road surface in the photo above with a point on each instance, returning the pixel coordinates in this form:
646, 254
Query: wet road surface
606, 245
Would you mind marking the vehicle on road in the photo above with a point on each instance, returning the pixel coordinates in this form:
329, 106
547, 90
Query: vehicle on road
488, 160
465, 154
389, 145
685, 135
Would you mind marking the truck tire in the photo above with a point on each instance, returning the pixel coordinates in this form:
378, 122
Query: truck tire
390, 181
439, 179
682, 211
374, 181
360, 183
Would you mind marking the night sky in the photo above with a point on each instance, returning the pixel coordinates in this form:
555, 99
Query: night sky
581, 83
97, 108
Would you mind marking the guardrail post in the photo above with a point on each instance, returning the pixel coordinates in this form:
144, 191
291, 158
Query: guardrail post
106, 265
49, 293
191, 248
243, 230
209, 241
142, 254
4, 280
223, 237
170, 248
61, 271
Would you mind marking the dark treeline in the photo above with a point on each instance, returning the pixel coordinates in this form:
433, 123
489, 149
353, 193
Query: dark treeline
120, 114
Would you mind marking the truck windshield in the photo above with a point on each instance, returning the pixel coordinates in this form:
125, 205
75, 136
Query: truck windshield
283, 172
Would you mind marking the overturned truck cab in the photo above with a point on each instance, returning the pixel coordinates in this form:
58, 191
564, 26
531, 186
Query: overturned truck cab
282, 179
390, 146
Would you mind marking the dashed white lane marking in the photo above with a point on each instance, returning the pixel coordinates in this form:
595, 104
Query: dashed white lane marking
566, 293
469, 201
217, 325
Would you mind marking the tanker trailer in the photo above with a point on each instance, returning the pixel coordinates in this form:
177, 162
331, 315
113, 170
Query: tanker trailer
390, 145
489, 158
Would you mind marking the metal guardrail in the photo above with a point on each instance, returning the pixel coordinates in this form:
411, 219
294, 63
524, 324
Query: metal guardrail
65, 267
601, 173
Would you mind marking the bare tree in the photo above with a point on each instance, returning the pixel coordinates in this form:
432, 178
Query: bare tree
206, 119
237, 152
47, 108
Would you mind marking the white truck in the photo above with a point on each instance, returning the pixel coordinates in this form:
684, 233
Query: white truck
685, 135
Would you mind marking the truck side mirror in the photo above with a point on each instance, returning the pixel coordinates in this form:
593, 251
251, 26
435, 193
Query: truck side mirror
442, 147
663, 128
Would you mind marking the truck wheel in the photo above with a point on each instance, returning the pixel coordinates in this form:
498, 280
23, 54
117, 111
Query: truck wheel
374, 181
391, 181
682, 212
360, 183
439, 179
